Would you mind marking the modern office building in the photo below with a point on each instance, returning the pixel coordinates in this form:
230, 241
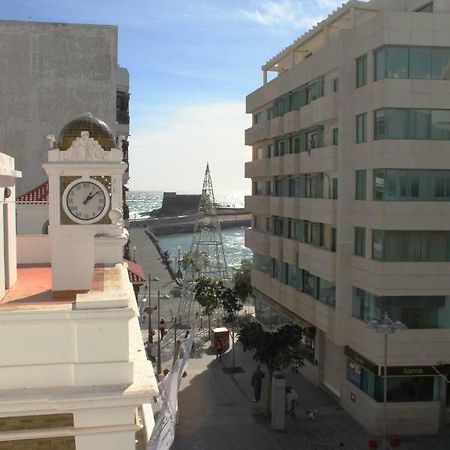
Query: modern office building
44, 68
351, 205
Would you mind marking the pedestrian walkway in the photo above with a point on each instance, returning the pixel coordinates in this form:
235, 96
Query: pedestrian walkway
217, 412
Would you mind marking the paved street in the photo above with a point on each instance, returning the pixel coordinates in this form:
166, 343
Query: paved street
217, 410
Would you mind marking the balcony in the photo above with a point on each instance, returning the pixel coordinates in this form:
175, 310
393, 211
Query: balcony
392, 215
257, 133
257, 168
300, 304
257, 241
257, 204
406, 347
400, 278
321, 110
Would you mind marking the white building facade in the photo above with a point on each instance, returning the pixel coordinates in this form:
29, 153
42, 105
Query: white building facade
351, 212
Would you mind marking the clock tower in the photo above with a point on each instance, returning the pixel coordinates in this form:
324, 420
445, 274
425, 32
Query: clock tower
85, 198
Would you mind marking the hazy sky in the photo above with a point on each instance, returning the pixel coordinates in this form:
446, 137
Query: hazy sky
191, 64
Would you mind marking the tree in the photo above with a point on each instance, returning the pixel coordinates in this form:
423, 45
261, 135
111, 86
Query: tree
208, 292
195, 261
242, 280
232, 305
277, 350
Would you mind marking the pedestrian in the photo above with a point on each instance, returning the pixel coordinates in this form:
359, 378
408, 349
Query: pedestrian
291, 401
257, 378
219, 348
162, 327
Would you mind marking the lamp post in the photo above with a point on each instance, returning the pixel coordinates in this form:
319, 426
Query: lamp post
385, 327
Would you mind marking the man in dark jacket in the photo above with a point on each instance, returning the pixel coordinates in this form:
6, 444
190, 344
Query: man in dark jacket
257, 378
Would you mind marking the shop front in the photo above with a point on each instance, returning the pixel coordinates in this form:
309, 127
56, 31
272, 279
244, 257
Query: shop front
414, 394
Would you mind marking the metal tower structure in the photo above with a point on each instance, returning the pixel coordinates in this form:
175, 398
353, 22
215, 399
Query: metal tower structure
207, 246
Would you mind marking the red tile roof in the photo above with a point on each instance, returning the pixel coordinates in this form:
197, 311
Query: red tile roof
135, 272
38, 194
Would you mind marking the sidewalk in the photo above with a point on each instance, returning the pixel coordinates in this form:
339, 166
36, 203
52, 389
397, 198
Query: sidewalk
217, 412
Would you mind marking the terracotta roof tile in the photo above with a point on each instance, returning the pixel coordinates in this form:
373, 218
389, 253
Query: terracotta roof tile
135, 272
38, 194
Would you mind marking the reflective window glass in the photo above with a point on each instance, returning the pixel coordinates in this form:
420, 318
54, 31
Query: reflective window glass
380, 124
380, 64
397, 62
397, 123
361, 71
440, 124
420, 63
419, 124
441, 63
361, 128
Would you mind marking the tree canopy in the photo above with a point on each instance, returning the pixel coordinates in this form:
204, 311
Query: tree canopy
242, 281
278, 349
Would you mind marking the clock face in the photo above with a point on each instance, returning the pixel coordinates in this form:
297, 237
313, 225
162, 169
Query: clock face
85, 201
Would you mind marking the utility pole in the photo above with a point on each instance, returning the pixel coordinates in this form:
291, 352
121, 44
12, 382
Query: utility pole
150, 334
158, 369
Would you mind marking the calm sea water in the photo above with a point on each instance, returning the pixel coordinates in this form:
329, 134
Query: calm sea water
233, 238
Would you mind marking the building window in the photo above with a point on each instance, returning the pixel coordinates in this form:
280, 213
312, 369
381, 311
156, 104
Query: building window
257, 118
294, 145
411, 246
361, 71
360, 184
260, 153
336, 85
327, 292
360, 241
335, 136
314, 89
258, 187
361, 128
416, 312
423, 63
333, 239
334, 189
422, 124
411, 185
310, 284
122, 107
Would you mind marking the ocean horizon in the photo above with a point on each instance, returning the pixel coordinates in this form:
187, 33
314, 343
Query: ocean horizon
233, 239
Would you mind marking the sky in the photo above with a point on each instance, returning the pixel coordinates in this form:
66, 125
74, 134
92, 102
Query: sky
191, 65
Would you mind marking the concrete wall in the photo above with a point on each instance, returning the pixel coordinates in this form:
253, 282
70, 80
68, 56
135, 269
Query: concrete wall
33, 249
51, 73
31, 218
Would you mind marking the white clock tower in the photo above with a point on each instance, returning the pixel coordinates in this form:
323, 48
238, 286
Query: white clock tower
85, 200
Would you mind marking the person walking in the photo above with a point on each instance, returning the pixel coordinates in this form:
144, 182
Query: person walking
257, 378
291, 401
162, 327
219, 348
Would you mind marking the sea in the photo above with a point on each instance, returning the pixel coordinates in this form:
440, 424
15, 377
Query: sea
142, 202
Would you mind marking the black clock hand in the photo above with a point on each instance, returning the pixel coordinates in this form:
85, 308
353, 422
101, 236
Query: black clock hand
87, 198
91, 196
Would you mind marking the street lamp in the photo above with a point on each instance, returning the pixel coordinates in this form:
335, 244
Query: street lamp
385, 327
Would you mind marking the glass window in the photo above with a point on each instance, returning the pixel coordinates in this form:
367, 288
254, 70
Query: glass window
310, 283
378, 245
327, 292
360, 241
419, 123
334, 190
294, 276
335, 136
333, 240
380, 124
397, 123
336, 85
440, 63
360, 191
361, 71
380, 63
361, 128
314, 138
397, 62
260, 153
420, 63
440, 124
378, 184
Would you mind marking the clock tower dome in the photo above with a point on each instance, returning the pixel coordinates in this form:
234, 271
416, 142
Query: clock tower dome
85, 196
